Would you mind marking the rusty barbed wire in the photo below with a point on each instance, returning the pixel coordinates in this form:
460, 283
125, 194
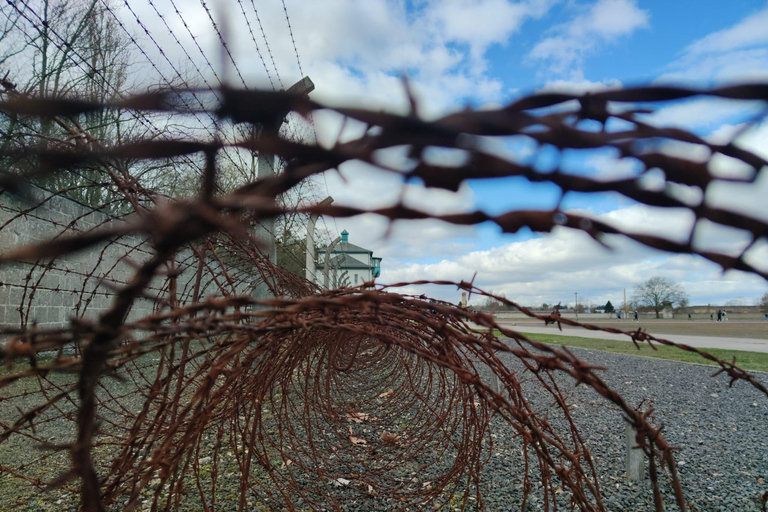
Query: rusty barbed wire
207, 373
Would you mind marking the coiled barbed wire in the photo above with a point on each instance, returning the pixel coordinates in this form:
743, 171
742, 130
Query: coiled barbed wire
187, 387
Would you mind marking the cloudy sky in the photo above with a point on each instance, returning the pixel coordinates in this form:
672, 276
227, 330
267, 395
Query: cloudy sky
483, 54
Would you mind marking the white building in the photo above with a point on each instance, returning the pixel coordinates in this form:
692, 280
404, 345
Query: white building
348, 264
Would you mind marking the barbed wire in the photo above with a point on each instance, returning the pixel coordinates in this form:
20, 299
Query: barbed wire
195, 41
196, 112
223, 43
318, 398
256, 45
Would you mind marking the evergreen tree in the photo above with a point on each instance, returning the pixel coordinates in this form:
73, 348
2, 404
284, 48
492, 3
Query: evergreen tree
609, 307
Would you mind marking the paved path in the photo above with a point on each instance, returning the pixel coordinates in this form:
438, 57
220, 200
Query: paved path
726, 342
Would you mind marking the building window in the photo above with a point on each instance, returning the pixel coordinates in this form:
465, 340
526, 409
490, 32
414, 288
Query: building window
355, 278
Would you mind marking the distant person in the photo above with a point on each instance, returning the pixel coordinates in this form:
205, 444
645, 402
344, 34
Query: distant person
635, 313
719, 315
689, 316
712, 317
618, 315
725, 316
766, 317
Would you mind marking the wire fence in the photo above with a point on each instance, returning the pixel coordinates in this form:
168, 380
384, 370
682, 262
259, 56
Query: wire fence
206, 374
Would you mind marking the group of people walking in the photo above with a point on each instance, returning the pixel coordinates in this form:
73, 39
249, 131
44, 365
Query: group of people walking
618, 315
722, 316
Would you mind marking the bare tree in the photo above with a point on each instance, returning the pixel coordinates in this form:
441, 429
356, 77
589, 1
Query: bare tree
658, 293
72, 49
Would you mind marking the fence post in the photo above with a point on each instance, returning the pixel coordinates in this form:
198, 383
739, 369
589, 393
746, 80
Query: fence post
635, 463
310, 268
495, 383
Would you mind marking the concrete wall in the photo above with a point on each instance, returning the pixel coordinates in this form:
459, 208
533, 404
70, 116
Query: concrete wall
49, 293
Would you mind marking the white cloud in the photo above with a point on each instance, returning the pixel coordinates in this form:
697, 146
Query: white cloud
480, 23
362, 186
749, 32
356, 52
579, 86
440, 45
551, 268
700, 113
739, 52
604, 22
609, 167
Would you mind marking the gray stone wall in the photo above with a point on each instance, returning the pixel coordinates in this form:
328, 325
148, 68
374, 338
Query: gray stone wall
50, 293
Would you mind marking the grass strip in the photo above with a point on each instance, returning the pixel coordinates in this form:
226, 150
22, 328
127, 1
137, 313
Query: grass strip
755, 361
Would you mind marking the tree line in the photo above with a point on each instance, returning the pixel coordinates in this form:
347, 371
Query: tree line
655, 294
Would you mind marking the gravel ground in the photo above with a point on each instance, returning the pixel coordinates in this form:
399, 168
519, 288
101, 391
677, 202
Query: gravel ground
721, 434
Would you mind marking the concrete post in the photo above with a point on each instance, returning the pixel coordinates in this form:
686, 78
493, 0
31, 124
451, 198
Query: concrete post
635, 457
265, 167
327, 266
265, 231
495, 383
310, 268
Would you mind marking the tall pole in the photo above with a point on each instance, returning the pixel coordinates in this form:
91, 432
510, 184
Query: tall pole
310, 268
576, 306
625, 302
327, 266
265, 167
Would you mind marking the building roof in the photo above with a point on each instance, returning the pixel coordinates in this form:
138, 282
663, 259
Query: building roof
343, 261
346, 247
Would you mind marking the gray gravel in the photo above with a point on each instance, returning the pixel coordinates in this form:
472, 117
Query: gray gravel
721, 434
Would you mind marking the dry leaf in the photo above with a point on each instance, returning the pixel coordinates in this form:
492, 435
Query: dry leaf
387, 393
341, 481
358, 441
359, 417
371, 491
390, 438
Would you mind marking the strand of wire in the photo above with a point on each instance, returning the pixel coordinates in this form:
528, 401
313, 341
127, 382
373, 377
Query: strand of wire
223, 43
217, 130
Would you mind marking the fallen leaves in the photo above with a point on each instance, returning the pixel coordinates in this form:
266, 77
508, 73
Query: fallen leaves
358, 441
359, 417
390, 438
388, 393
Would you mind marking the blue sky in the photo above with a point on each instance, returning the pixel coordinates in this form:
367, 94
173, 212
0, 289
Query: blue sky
485, 53
578, 46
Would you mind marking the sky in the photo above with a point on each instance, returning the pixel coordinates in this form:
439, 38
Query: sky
484, 54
